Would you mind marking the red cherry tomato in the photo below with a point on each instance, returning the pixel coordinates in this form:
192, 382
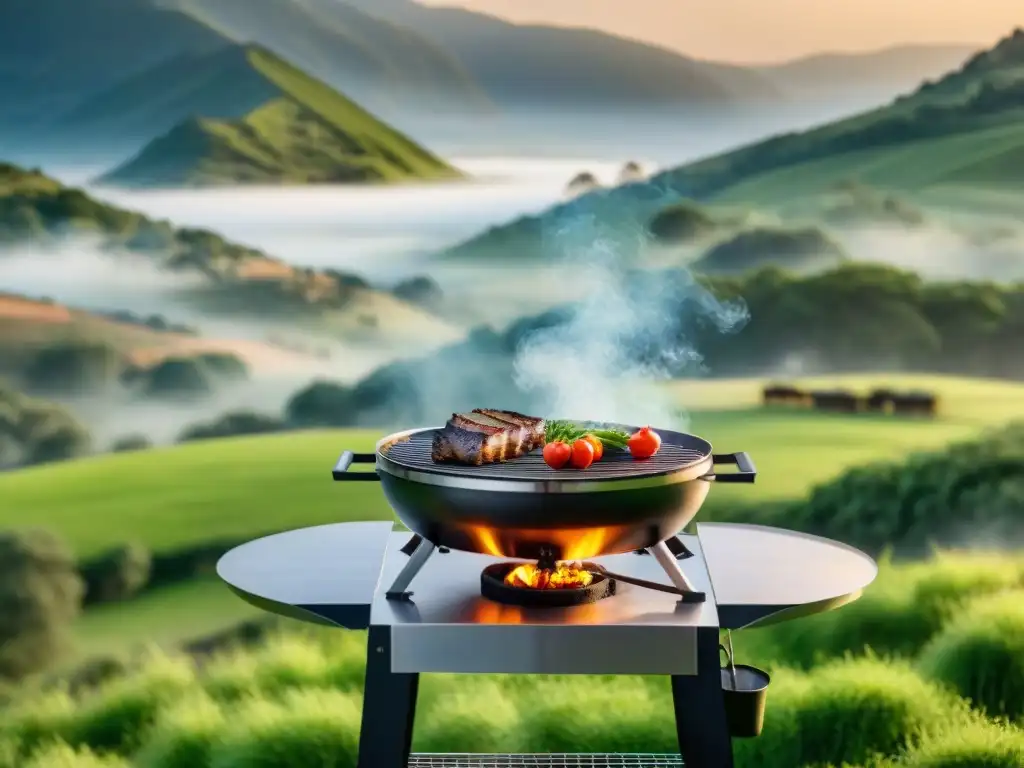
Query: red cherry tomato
557, 454
644, 443
597, 445
582, 454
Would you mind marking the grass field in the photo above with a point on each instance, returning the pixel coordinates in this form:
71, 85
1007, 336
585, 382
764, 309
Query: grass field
942, 673
237, 488
170, 497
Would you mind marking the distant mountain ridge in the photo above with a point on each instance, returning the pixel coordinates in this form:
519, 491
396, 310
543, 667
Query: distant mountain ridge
291, 128
964, 128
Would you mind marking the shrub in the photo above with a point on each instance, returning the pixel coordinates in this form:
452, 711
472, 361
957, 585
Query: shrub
117, 574
980, 654
39, 721
905, 607
285, 662
41, 593
184, 735
972, 745
224, 364
971, 489
473, 716
176, 377
232, 424
62, 756
117, 716
795, 249
72, 367
322, 403
309, 729
848, 711
680, 222
130, 443
615, 716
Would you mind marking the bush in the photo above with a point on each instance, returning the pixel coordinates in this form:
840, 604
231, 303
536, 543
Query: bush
286, 662
848, 711
41, 593
38, 722
173, 566
615, 716
130, 443
309, 729
62, 756
905, 607
973, 745
233, 424
473, 716
117, 574
681, 222
322, 403
73, 367
980, 654
184, 736
791, 249
971, 489
176, 377
117, 716
225, 365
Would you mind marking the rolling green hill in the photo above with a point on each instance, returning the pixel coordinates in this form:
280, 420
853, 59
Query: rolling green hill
92, 47
966, 130
300, 131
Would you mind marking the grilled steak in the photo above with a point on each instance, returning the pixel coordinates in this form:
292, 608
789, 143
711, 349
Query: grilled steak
486, 436
533, 427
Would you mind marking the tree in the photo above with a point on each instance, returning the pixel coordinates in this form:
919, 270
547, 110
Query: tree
72, 367
322, 403
117, 574
40, 595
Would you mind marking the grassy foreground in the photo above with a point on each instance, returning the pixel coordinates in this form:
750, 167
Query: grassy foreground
947, 665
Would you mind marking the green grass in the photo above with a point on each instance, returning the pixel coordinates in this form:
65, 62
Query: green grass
959, 160
232, 488
165, 617
301, 689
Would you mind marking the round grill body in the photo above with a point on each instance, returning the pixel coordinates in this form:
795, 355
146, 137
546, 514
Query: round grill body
524, 509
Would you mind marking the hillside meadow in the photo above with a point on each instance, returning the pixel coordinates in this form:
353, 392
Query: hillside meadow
170, 497
926, 671
240, 488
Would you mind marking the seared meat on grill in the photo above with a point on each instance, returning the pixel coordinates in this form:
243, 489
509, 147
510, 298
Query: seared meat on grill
534, 427
486, 436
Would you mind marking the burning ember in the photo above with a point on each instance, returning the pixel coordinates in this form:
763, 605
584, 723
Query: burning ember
562, 576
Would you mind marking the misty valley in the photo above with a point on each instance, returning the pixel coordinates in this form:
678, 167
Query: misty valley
239, 241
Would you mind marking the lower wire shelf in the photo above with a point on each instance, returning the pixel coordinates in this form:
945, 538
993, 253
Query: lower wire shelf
543, 760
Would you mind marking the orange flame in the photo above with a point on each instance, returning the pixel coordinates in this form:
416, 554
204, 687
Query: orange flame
573, 544
562, 576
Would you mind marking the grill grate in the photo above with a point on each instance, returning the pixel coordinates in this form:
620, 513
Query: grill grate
544, 761
678, 450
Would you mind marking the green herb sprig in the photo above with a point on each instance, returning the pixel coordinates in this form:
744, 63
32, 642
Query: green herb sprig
569, 432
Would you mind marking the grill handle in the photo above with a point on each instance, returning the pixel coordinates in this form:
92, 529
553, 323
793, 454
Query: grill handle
747, 471
347, 459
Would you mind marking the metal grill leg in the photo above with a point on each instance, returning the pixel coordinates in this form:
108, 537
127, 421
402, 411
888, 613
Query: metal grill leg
416, 561
704, 740
389, 707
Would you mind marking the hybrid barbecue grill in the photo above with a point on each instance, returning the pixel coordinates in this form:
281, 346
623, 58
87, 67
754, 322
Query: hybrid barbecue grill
469, 614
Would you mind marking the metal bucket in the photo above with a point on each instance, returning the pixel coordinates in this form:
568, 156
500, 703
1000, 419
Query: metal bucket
745, 691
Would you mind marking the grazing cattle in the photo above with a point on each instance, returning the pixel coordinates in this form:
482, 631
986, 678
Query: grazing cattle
881, 401
838, 401
782, 394
915, 404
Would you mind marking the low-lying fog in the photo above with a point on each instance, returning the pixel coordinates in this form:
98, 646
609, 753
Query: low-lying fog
383, 234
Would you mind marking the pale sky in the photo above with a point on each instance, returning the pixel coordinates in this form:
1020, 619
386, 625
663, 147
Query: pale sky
771, 30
